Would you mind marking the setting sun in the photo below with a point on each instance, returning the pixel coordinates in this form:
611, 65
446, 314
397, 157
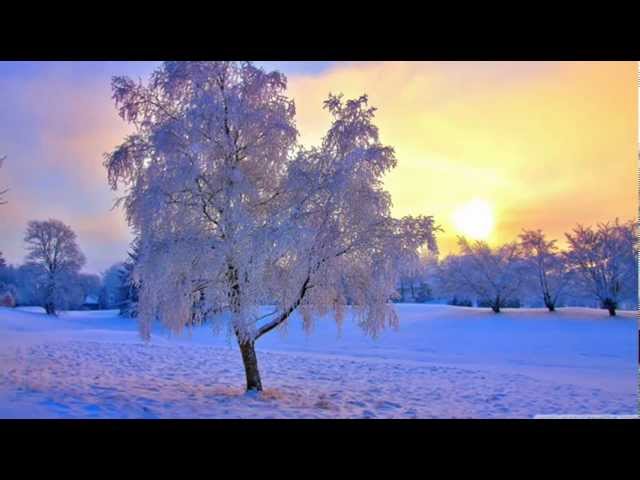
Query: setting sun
474, 219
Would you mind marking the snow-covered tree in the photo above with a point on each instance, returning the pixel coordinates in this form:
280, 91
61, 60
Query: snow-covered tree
233, 215
605, 260
52, 247
112, 292
547, 268
494, 276
89, 284
129, 306
30, 282
2, 192
8, 291
416, 280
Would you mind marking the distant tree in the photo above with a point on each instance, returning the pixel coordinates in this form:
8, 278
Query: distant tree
415, 278
89, 285
547, 268
52, 247
493, 276
232, 212
112, 292
605, 260
460, 302
130, 287
8, 295
2, 192
8, 291
30, 281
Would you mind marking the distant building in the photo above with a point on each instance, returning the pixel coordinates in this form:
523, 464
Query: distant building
91, 303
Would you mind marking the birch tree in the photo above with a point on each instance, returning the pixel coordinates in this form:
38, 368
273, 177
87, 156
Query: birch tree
233, 214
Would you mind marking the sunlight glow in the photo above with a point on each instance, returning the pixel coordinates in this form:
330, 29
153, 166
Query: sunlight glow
474, 219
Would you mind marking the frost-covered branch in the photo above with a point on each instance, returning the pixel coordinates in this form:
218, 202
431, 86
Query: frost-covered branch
232, 214
605, 259
548, 269
494, 275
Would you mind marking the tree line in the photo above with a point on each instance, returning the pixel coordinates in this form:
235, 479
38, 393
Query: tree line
51, 275
598, 268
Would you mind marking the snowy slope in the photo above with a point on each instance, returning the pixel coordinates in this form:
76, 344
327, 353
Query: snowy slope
443, 362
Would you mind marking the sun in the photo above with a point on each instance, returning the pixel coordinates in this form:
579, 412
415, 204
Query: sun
474, 219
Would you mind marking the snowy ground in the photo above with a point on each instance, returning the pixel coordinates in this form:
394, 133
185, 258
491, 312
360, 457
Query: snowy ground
444, 362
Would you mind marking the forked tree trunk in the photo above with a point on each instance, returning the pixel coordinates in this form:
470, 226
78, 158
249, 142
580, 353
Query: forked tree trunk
548, 303
247, 347
250, 361
550, 306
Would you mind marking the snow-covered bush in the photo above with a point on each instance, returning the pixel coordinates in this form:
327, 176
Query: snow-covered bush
232, 214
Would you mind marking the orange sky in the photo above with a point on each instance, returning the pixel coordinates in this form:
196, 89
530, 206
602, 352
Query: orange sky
547, 144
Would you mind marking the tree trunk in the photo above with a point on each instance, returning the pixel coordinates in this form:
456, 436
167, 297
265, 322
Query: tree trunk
548, 303
610, 305
250, 361
496, 305
50, 309
247, 347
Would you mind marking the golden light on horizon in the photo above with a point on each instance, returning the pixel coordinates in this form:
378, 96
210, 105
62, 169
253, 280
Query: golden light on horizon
547, 144
474, 219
